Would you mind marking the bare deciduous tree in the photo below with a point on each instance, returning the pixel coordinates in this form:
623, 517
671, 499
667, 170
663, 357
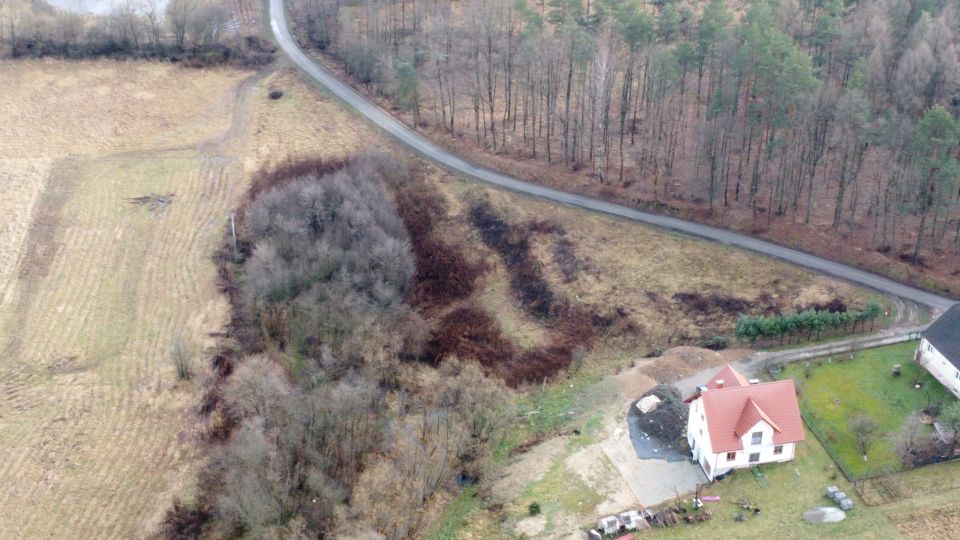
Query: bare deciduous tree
864, 428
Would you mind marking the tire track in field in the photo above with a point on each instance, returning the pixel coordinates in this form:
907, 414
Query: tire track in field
91, 445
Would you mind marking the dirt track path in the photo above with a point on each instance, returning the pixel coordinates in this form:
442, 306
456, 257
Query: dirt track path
421, 145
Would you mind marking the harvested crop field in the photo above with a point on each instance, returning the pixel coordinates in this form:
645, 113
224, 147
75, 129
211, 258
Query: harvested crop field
117, 180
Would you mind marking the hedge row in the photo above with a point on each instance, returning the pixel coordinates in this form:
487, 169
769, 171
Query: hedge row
809, 324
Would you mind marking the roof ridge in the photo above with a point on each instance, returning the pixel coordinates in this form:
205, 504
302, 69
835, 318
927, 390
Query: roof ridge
744, 387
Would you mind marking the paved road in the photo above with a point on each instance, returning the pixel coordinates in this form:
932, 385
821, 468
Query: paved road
417, 142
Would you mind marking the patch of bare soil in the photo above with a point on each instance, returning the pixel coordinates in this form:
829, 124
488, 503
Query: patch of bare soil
679, 362
528, 468
634, 381
597, 472
531, 527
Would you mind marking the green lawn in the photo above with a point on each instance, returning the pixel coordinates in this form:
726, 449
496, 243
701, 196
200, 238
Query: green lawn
794, 487
931, 497
836, 391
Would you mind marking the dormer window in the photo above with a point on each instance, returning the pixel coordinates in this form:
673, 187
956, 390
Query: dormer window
756, 438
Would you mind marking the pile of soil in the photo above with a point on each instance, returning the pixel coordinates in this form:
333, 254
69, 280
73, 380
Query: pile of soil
659, 434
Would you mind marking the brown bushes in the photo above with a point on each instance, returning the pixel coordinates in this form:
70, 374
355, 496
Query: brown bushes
835, 305
443, 274
699, 303
566, 259
185, 521
288, 171
535, 365
469, 333
513, 246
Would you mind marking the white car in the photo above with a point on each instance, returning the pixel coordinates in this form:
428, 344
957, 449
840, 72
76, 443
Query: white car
610, 525
630, 520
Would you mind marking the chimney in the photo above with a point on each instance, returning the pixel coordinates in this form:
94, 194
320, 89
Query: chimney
719, 383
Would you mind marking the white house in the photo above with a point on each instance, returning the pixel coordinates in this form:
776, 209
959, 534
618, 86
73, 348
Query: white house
735, 423
939, 350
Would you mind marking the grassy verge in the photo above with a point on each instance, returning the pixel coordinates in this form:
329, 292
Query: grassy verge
834, 392
541, 414
456, 514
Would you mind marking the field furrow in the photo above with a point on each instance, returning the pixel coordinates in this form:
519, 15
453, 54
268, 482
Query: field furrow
93, 422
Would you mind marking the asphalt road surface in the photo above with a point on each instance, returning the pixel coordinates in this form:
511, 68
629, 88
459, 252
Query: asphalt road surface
421, 145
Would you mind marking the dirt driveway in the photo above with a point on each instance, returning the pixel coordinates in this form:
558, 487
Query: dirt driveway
652, 481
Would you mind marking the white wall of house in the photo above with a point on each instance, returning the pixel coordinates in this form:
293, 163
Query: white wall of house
698, 437
930, 358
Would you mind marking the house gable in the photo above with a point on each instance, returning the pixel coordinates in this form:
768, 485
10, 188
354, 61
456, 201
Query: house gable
752, 415
944, 335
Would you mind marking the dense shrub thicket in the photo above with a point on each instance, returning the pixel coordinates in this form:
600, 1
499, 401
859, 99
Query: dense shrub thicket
326, 256
317, 426
444, 275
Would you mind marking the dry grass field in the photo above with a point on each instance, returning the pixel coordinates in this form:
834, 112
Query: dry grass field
633, 267
96, 430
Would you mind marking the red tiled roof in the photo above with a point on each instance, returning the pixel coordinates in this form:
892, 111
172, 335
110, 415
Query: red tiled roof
732, 411
729, 376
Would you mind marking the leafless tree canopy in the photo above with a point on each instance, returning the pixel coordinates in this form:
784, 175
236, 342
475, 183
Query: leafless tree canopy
766, 108
200, 32
324, 430
329, 256
864, 427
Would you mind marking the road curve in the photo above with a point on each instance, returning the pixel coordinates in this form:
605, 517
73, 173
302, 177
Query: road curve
421, 145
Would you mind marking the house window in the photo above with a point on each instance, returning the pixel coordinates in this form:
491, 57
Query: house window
756, 438
778, 449
755, 457
731, 456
